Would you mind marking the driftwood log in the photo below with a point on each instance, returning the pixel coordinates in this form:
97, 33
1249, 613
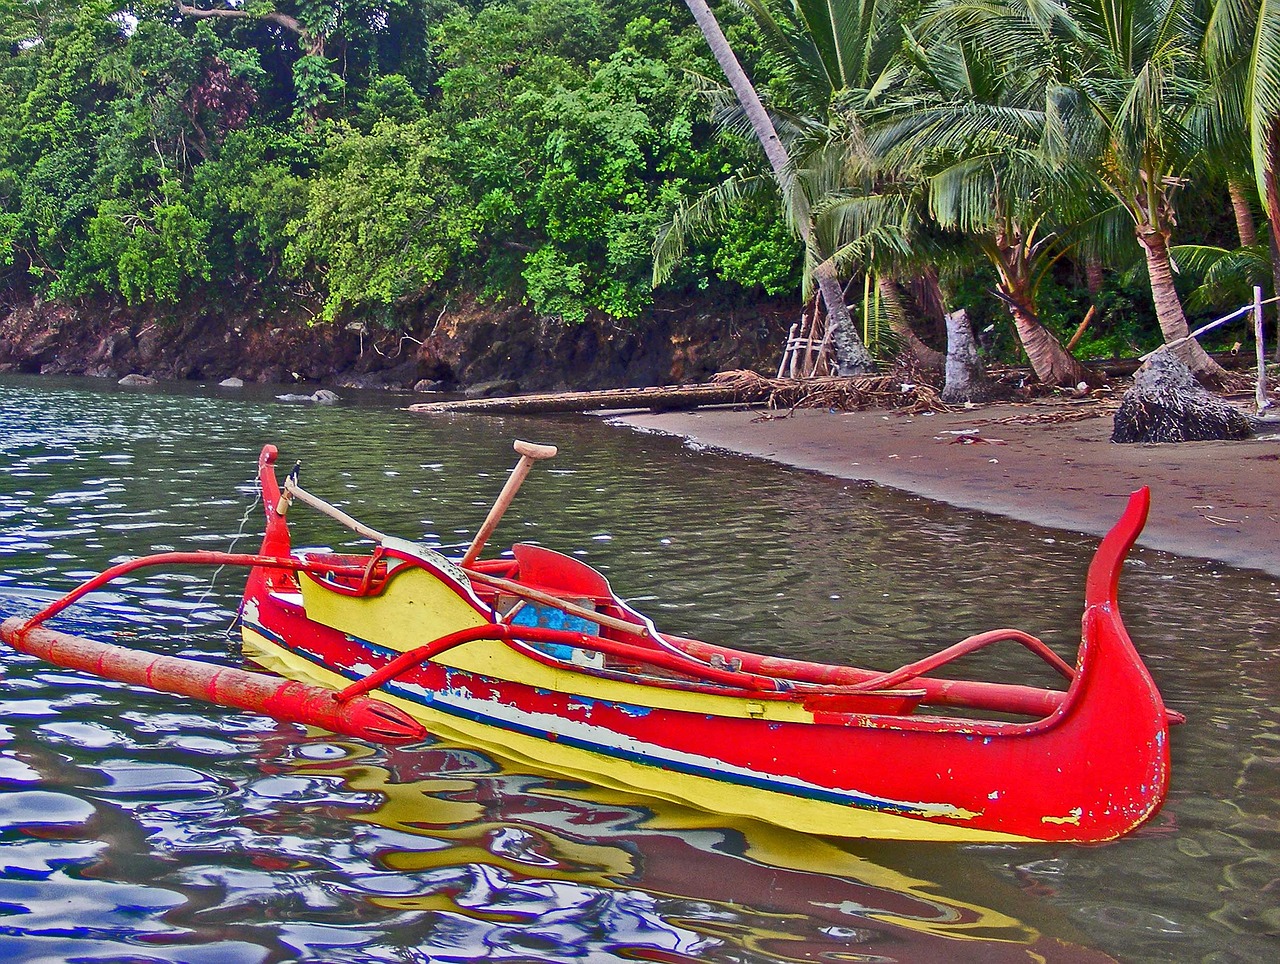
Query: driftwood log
1167, 404
727, 388
664, 398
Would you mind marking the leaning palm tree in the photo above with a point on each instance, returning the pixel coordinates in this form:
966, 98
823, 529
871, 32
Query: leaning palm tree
1128, 78
976, 135
852, 356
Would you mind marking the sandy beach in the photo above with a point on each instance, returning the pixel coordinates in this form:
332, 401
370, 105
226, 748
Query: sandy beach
1215, 500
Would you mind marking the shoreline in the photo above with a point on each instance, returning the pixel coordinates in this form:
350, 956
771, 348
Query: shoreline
1212, 500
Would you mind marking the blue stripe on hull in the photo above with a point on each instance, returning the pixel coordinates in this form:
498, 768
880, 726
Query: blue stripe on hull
807, 791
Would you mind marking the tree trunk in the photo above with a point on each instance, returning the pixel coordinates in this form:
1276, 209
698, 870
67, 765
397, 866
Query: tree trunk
930, 358
966, 377
1094, 275
1052, 363
1271, 199
668, 398
852, 356
1244, 216
1173, 322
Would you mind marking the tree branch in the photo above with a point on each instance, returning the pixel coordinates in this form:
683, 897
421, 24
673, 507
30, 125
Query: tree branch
274, 16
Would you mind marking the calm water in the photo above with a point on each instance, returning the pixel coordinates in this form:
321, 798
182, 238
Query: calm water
140, 827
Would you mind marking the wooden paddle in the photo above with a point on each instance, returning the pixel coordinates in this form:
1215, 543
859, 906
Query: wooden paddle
292, 490
529, 453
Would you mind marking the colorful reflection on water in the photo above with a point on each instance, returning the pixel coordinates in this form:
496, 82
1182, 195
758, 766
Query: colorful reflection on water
139, 827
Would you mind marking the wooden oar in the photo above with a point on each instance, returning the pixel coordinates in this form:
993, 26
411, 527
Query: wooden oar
529, 453
294, 491
547, 599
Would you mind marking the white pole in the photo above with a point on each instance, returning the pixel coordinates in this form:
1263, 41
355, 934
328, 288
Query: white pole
1263, 401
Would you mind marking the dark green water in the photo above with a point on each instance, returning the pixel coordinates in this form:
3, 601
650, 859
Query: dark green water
140, 827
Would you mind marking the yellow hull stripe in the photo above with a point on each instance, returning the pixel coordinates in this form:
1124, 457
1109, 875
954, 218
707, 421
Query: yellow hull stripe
563, 759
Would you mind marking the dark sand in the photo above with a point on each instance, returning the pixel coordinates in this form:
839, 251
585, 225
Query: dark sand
1215, 500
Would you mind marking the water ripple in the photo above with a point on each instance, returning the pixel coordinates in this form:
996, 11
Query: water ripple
140, 827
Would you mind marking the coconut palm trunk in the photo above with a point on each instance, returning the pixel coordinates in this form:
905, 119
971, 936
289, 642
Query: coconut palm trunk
1011, 252
930, 358
1173, 321
1271, 199
1245, 228
852, 356
1052, 363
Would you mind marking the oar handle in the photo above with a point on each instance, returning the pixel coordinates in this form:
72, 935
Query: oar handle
533, 450
530, 452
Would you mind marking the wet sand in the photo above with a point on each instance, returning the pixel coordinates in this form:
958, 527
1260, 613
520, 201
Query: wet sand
1215, 500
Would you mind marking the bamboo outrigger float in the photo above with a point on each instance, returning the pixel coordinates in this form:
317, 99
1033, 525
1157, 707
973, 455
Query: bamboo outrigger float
534, 658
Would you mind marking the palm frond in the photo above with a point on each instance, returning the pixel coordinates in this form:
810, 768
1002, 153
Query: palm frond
697, 219
1264, 94
1225, 276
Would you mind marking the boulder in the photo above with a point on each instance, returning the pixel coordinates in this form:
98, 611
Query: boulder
321, 396
135, 379
1167, 404
492, 388
232, 382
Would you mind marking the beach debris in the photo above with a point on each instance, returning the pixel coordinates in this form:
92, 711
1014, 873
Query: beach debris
1167, 404
1219, 520
1052, 417
847, 394
738, 387
733, 388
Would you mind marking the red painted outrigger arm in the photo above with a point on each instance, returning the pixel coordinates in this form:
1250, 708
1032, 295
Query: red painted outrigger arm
294, 702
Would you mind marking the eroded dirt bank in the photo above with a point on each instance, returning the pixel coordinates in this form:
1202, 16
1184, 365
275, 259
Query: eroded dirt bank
469, 345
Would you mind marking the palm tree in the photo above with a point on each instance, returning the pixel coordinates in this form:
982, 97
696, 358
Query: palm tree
852, 356
837, 60
974, 134
1242, 52
1128, 78
1139, 77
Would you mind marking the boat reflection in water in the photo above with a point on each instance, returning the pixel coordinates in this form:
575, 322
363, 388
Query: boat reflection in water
510, 865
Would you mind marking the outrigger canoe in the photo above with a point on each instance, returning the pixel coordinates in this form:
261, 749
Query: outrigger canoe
534, 658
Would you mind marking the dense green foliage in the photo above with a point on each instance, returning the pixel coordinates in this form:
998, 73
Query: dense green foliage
369, 156
363, 155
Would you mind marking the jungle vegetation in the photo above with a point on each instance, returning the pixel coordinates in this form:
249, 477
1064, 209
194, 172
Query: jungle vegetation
1024, 159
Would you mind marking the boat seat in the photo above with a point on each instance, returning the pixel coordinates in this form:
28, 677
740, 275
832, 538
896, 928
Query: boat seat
557, 573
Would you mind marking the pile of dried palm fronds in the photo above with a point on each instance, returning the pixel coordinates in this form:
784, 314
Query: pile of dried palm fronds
1053, 417
839, 393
